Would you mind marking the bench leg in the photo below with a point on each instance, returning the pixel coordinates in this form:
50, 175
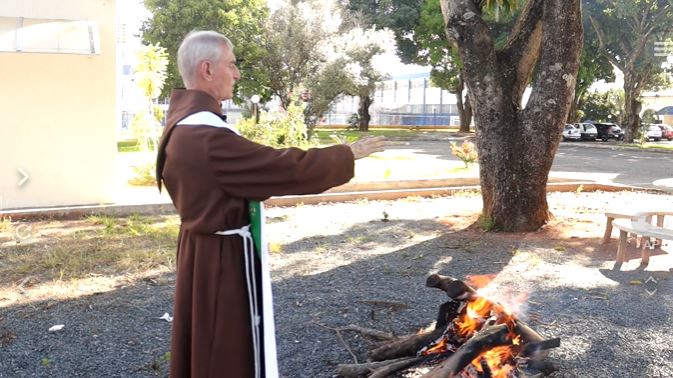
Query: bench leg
660, 223
608, 231
640, 241
621, 249
645, 253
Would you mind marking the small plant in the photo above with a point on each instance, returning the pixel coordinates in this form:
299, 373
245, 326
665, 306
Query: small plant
353, 122
5, 224
465, 152
144, 174
109, 223
45, 362
486, 223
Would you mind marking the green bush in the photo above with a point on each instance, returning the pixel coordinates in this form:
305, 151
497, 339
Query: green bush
353, 122
144, 174
278, 129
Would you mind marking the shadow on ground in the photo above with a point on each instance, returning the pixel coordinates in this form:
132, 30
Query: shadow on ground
609, 326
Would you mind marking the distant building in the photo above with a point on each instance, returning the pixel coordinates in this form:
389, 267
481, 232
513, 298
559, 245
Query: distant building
405, 100
57, 69
662, 103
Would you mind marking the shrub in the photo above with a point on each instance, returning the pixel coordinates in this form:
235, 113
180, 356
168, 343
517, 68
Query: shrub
144, 173
353, 122
465, 152
277, 128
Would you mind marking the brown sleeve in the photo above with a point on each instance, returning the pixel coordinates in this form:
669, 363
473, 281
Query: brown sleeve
246, 169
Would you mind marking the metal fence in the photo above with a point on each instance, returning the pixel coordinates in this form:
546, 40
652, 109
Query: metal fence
398, 119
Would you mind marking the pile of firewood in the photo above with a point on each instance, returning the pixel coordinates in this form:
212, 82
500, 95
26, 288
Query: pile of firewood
472, 337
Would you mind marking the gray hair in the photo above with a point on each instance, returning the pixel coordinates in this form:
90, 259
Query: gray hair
197, 47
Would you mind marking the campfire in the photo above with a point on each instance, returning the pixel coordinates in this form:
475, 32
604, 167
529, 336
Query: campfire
473, 337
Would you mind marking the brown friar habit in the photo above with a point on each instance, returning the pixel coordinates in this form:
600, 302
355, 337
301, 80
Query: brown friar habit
210, 173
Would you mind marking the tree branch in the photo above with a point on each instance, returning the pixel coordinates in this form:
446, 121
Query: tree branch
601, 42
465, 27
657, 22
523, 48
557, 71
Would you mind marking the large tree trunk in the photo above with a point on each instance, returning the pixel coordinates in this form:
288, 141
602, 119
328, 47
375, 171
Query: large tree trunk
632, 106
363, 112
464, 107
517, 147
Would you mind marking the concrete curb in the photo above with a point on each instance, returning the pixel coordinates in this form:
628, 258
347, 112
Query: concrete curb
365, 191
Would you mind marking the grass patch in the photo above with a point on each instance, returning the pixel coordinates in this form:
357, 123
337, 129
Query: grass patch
650, 146
486, 223
104, 246
128, 146
324, 136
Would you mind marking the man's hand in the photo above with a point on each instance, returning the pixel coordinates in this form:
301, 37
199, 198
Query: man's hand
367, 146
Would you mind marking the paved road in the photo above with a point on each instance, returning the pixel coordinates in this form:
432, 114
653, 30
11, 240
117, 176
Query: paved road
600, 161
620, 165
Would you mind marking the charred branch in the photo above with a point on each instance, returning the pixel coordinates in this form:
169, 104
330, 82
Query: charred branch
405, 347
389, 369
447, 311
532, 349
376, 334
454, 289
357, 370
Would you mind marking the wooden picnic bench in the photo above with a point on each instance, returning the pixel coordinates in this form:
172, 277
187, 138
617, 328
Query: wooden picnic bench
633, 214
642, 226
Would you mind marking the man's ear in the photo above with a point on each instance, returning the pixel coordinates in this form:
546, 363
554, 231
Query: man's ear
205, 70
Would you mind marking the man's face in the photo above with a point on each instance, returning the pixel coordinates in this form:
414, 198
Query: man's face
225, 74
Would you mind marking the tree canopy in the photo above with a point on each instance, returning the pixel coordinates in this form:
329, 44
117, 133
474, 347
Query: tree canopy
240, 20
626, 32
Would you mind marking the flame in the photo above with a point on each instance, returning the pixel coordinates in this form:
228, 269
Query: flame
478, 309
438, 348
499, 359
479, 281
516, 340
496, 359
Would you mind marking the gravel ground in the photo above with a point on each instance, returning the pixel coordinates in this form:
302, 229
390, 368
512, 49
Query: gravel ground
365, 263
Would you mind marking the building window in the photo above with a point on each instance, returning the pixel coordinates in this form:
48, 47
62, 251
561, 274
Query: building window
19, 34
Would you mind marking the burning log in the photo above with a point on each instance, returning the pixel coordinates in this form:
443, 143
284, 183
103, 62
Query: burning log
455, 289
408, 346
492, 337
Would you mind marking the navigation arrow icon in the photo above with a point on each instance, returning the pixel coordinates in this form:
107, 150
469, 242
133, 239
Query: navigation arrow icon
24, 176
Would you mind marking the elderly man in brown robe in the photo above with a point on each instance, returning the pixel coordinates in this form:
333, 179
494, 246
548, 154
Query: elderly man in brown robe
212, 174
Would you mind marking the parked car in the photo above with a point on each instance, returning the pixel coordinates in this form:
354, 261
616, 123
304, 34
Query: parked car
666, 131
571, 132
651, 131
587, 131
607, 131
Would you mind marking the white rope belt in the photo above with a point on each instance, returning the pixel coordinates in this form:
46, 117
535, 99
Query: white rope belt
250, 276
